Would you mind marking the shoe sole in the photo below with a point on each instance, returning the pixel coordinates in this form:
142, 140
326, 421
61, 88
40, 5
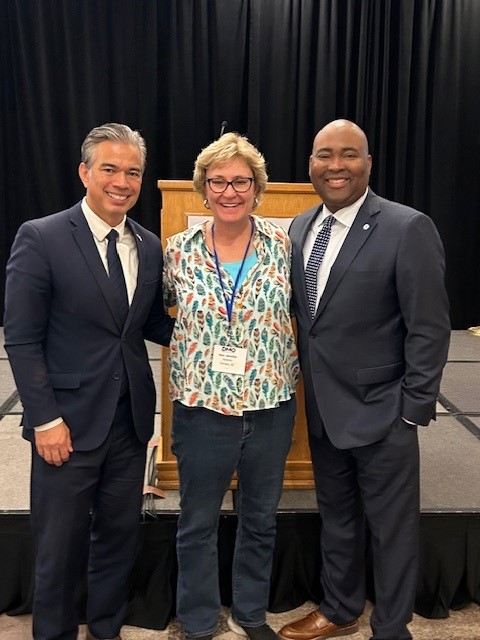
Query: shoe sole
335, 634
236, 628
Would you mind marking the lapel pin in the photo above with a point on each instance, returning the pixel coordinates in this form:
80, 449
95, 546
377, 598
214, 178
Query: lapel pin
366, 226
139, 237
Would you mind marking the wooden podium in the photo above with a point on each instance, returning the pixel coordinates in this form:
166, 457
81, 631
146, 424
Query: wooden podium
182, 207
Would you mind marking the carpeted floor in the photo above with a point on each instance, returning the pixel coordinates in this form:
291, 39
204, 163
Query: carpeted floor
461, 625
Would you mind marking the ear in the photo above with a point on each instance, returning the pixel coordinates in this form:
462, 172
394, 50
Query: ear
310, 166
83, 173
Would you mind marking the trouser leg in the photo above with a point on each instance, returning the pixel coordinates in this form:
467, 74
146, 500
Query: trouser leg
389, 478
115, 526
207, 446
61, 498
342, 530
266, 440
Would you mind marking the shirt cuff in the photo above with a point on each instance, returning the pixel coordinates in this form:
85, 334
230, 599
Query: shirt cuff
49, 425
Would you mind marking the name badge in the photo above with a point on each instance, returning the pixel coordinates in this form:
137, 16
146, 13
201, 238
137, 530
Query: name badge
228, 359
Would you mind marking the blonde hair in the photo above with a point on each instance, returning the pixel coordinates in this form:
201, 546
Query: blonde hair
230, 145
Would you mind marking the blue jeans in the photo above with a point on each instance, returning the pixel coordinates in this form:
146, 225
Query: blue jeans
209, 448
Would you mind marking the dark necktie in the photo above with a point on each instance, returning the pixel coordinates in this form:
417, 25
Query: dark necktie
116, 277
314, 262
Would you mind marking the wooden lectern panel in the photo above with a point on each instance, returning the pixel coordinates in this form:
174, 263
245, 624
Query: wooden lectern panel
183, 207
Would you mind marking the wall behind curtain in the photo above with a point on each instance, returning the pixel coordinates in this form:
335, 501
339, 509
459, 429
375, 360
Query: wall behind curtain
276, 70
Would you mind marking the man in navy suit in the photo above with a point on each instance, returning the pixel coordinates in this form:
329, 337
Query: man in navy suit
85, 382
373, 340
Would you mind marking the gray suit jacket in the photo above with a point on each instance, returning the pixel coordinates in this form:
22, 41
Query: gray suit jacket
377, 346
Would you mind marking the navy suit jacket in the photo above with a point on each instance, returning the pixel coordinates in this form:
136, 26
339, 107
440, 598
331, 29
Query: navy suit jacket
376, 348
67, 351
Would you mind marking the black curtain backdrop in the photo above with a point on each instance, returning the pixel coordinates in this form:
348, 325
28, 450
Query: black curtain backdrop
449, 573
276, 70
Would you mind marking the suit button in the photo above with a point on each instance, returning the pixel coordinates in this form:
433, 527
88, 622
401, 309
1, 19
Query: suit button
313, 334
116, 376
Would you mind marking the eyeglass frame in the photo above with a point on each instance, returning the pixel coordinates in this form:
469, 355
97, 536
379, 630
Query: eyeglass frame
230, 183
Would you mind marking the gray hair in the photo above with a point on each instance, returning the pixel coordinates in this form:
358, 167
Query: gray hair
115, 133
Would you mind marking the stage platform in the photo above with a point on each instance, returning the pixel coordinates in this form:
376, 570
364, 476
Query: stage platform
450, 504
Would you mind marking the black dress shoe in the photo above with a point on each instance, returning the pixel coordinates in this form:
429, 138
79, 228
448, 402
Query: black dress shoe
262, 632
89, 636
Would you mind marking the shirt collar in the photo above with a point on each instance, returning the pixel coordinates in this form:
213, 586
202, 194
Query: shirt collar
99, 227
260, 225
346, 215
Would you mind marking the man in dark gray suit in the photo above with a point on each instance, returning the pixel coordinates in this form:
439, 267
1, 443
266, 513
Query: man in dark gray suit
83, 290
373, 335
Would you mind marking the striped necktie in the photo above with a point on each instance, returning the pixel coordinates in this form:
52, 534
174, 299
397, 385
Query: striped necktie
314, 262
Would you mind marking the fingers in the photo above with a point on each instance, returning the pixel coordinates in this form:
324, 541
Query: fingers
55, 456
54, 445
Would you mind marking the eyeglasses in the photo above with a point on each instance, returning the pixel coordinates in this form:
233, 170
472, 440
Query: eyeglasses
219, 185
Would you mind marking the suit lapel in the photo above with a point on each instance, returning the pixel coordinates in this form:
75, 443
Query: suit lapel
142, 258
306, 223
363, 225
86, 243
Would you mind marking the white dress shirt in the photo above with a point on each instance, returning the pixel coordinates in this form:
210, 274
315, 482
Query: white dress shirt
126, 247
344, 219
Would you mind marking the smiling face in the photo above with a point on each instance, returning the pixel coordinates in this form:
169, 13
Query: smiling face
230, 207
114, 180
340, 164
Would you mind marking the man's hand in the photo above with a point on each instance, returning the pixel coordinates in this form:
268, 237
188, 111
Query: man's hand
54, 445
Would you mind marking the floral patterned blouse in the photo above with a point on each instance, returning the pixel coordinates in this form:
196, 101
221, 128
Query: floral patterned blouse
260, 322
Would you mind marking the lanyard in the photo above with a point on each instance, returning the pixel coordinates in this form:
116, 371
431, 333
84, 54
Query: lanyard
229, 303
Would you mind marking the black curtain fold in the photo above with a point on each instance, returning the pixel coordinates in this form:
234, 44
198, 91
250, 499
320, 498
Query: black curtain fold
449, 575
275, 70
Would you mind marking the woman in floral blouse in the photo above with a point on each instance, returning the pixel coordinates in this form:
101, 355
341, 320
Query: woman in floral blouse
233, 373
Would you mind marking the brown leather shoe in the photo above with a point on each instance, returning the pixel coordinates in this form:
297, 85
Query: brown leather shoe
315, 626
90, 636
